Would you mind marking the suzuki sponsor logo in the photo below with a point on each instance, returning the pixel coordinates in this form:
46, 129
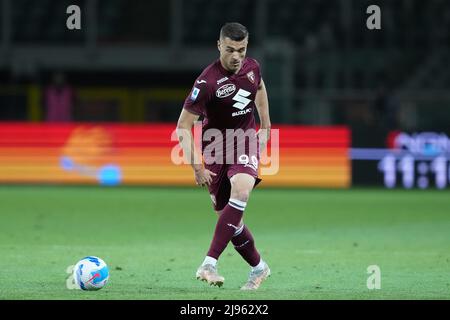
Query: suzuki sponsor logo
225, 90
242, 112
241, 99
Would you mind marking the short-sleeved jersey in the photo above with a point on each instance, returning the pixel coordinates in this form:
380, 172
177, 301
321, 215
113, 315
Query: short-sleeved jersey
224, 99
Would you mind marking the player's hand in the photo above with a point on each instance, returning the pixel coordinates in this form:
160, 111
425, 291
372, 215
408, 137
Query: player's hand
263, 135
203, 176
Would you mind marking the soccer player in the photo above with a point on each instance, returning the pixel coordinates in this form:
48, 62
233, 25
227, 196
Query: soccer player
226, 94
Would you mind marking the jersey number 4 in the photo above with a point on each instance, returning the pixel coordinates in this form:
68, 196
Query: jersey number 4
241, 99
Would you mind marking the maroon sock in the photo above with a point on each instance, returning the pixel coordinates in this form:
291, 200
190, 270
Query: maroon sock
226, 226
245, 245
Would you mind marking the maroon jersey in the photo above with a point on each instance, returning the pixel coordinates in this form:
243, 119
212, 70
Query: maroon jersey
226, 100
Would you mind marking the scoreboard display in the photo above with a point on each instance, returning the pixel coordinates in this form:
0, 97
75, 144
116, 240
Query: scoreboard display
410, 160
408, 171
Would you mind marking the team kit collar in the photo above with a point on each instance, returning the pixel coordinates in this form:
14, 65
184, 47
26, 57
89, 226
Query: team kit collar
227, 73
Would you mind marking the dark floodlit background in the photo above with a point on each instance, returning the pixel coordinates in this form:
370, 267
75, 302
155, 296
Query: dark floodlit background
135, 62
322, 65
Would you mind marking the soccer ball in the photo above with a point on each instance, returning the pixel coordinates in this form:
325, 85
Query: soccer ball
91, 273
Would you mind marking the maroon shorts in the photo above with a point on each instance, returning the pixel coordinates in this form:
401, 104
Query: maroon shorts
220, 187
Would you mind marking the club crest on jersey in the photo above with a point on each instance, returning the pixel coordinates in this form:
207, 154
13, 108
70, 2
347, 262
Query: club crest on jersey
251, 76
225, 90
194, 93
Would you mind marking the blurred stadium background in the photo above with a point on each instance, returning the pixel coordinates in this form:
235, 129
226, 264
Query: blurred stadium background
136, 63
355, 107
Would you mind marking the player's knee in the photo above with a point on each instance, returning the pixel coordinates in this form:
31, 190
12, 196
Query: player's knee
241, 195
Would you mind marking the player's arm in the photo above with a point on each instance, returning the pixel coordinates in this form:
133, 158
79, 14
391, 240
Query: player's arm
184, 133
262, 105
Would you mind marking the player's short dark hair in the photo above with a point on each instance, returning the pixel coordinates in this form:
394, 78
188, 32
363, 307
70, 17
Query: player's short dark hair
234, 30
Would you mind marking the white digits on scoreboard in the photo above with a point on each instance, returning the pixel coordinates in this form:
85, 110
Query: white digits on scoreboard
406, 167
439, 167
387, 166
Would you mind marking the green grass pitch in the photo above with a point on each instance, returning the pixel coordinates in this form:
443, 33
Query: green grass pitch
318, 243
